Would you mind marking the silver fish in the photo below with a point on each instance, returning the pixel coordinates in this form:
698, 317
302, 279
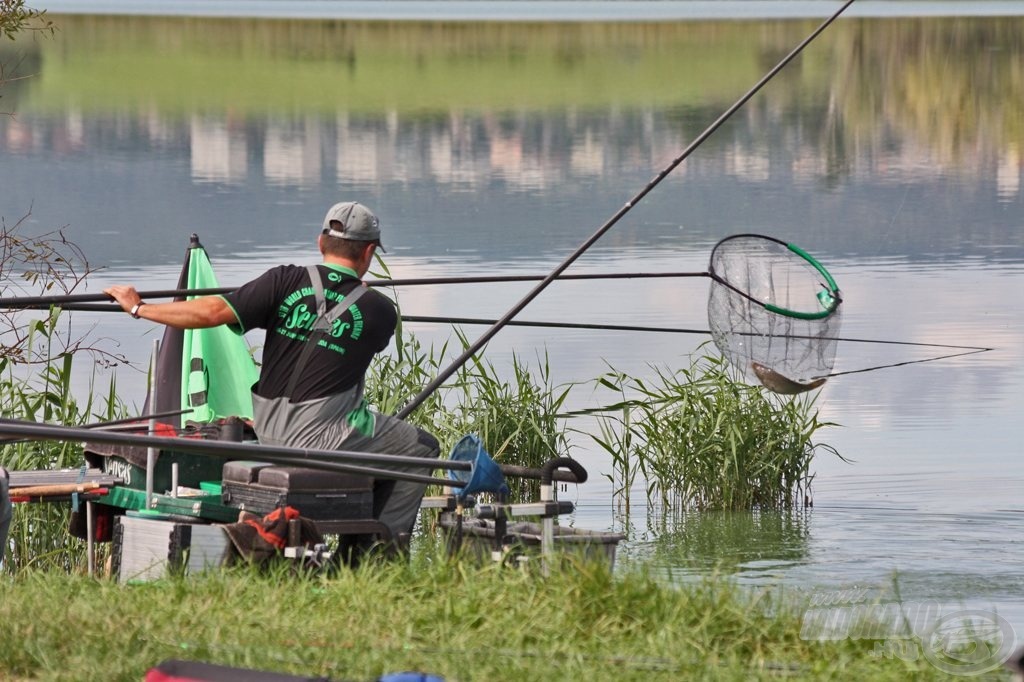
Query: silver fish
777, 383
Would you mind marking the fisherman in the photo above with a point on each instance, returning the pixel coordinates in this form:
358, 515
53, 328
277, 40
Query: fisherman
323, 327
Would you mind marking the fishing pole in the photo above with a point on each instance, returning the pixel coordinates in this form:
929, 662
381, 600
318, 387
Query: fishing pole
963, 350
79, 301
329, 460
116, 423
669, 330
315, 459
471, 350
433, 319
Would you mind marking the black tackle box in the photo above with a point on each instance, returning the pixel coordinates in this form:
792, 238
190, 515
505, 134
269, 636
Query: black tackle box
260, 488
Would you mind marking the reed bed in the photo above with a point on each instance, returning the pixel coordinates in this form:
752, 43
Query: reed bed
452, 619
39, 532
518, 418
699, 439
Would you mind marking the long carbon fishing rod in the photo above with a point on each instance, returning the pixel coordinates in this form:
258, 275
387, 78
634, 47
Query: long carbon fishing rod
328, 460
961, 350
82, 301
668, 330
116, 423
343, 461
439, 320
697, 142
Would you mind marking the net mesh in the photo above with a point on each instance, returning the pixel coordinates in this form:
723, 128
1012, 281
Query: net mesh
779, 349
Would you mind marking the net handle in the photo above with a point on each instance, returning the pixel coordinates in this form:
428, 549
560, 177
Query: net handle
832, 288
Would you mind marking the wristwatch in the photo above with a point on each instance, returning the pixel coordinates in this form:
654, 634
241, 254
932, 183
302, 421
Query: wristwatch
134, 312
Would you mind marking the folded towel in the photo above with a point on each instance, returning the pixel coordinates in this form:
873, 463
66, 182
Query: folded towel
258, 539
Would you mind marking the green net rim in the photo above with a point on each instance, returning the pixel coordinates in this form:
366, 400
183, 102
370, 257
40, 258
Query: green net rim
833, 291
830, 282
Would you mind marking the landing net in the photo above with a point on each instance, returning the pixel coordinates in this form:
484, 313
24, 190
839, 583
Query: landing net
774, 312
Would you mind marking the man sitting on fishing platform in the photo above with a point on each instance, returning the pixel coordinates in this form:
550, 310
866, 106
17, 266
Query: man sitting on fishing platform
323, 328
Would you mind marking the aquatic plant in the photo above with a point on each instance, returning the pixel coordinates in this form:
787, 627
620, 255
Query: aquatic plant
37, 352
700, 439
39, 533
518, 419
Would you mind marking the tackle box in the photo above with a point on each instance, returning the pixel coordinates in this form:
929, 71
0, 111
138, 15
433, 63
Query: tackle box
260, 488
128, 462
148, 547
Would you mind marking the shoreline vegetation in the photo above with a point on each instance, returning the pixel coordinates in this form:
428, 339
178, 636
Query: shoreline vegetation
431, 613
434, 616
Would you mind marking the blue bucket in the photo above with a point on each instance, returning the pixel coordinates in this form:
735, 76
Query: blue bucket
485, 475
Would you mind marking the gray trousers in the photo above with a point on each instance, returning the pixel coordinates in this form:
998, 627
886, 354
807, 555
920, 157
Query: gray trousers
397, 503
6, 513
321, 424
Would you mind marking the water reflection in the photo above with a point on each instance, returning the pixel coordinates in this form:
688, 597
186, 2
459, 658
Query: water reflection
577, 114
753, 546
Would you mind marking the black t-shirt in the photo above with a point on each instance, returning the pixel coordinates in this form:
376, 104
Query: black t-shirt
281, 301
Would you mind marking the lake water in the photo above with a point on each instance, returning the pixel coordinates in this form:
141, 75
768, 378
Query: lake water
891, 150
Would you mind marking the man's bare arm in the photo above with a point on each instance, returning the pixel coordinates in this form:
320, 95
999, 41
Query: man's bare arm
207, 311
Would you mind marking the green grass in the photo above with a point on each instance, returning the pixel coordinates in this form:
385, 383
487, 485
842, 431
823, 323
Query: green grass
452, 619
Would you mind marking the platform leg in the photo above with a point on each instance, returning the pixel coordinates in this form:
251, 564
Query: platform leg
90, 542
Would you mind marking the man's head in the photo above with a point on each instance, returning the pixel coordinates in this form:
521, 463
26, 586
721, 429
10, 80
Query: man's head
349, 227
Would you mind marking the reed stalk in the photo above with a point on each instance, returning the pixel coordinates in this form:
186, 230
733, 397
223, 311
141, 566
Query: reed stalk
517, 418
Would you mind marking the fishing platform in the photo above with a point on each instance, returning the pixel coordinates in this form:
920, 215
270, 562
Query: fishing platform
188, 486
178, 511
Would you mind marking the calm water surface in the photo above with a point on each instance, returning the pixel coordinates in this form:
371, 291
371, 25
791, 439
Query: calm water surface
891, 150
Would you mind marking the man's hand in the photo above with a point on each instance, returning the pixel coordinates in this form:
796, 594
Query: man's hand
126, 296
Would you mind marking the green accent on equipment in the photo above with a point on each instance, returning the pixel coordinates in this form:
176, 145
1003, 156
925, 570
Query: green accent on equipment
227, 394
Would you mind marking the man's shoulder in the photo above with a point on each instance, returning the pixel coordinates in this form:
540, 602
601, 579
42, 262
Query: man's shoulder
379, 296
283, 273
383, 307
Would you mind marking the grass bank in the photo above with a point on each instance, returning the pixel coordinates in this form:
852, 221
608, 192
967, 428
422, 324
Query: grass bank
451, 619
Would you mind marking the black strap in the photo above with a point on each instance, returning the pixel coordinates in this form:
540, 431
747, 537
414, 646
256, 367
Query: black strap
324, 319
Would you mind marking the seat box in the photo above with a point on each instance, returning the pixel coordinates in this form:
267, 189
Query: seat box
128, 462
319, 495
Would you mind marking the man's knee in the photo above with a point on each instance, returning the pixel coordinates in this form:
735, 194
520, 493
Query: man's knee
428, 441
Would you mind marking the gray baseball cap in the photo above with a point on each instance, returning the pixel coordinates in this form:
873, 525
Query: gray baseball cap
358, 223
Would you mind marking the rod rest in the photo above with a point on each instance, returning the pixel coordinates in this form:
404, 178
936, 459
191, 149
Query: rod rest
548, 470
542, 509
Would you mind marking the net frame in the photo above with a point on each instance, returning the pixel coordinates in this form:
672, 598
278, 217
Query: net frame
774, 312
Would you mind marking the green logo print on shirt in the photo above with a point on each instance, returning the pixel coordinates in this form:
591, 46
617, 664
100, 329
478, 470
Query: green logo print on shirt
298, 319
